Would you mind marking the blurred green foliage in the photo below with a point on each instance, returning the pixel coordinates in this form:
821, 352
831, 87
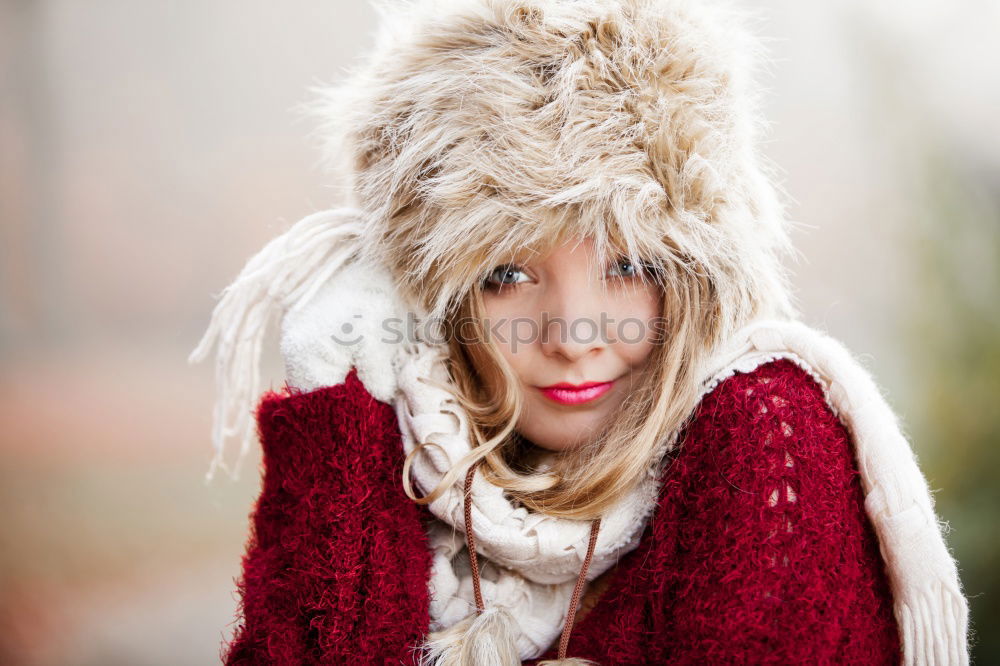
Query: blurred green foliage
952, 337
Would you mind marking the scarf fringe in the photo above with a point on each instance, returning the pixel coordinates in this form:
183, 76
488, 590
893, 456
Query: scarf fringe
932, 626
286, 272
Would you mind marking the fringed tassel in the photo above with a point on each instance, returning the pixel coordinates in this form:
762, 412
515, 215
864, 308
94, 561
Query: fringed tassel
933, 626
478, 640
287, 271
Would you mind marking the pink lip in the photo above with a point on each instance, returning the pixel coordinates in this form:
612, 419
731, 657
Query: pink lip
575, 394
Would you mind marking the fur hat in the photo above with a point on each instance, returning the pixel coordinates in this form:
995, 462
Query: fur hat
480, 128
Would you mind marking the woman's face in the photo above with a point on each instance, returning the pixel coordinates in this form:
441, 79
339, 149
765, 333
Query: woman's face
563, 319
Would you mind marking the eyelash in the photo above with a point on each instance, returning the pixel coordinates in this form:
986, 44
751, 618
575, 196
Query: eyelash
488, 283
496, 286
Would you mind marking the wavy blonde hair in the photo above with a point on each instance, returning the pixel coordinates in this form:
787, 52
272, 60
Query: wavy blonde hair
581, 483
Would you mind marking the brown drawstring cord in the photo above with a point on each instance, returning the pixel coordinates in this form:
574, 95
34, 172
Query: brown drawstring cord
470, 542
580, 580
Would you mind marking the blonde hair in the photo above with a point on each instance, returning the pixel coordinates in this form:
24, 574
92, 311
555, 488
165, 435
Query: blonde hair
580, 483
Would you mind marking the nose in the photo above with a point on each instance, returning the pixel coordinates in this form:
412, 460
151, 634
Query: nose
571, 322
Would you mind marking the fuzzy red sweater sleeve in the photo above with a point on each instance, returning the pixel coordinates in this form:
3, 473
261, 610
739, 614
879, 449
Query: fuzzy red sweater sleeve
775, 560
337, 563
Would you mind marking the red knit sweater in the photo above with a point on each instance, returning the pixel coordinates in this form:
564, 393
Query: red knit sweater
759, 550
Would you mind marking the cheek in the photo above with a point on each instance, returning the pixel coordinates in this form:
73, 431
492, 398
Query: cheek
505, 324
637, 324
497, 315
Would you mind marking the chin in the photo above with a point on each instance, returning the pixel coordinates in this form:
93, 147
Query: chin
566, 431
558, 447
562, 442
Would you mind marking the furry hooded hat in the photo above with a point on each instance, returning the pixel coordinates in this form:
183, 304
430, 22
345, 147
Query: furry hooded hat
480, 128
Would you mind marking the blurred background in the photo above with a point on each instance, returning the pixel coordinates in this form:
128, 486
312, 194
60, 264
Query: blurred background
148, 148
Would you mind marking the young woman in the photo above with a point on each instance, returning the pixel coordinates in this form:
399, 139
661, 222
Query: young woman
547, 398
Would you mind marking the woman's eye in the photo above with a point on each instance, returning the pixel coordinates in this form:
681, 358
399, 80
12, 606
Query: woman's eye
624, 268
504, 275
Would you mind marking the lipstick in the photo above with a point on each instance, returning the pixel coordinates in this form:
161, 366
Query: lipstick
575, 394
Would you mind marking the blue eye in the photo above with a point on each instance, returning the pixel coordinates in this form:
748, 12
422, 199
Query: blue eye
503, 276
625, 268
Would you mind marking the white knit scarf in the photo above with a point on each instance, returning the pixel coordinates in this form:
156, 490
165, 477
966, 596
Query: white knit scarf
530, 561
